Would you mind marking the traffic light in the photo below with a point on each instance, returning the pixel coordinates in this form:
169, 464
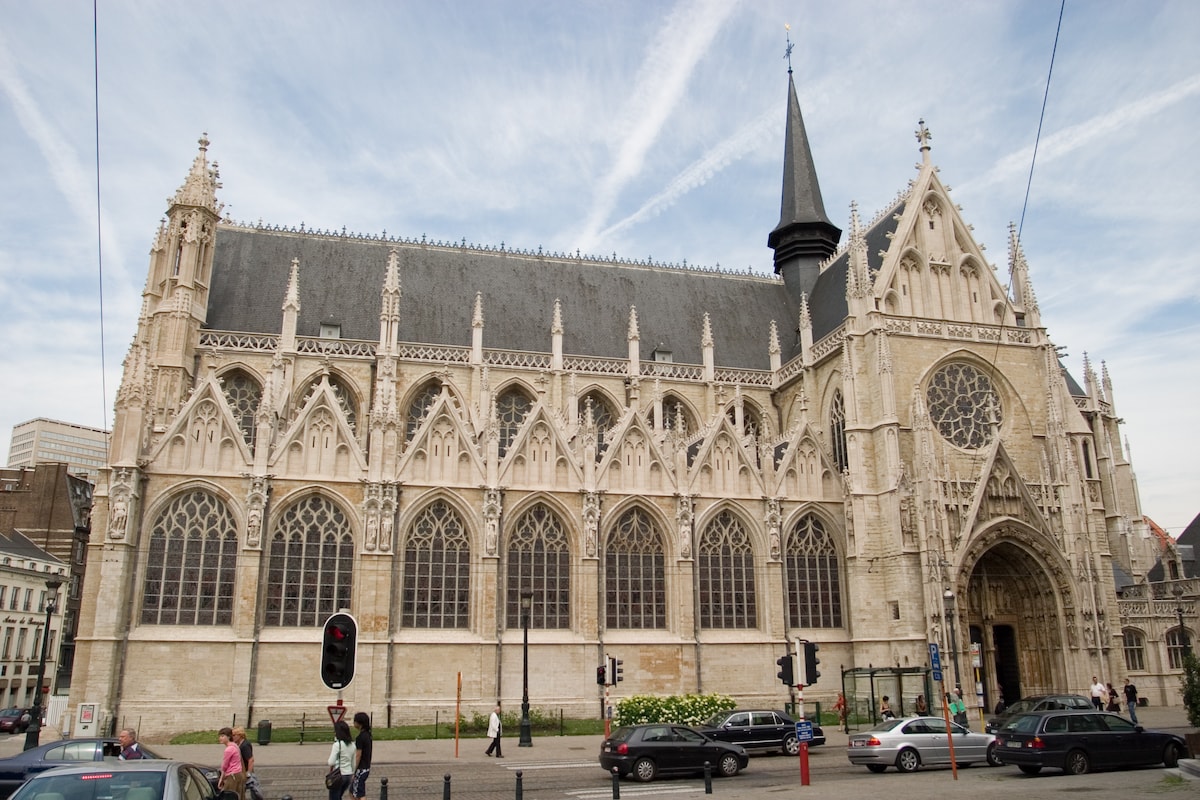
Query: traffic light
615, 673
810, 663
338, 650
601, 676
785, 670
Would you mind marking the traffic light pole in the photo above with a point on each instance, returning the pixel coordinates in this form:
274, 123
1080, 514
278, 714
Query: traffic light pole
804, 775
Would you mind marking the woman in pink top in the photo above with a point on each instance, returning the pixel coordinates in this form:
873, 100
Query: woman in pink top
232, 780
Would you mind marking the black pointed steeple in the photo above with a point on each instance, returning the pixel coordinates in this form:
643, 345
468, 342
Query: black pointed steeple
804, 236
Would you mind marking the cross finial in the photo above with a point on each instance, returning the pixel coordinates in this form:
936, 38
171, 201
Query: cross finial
788, 53
923, 136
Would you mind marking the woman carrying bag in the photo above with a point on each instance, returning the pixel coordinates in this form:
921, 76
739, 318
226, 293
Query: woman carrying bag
341, 761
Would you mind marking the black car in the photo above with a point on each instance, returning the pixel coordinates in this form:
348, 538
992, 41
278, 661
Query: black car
1078, 741
646, 751
758, 729
15, 770
1041, 702
144, 779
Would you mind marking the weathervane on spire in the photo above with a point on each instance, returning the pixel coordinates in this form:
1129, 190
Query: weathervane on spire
788, 54
923, 134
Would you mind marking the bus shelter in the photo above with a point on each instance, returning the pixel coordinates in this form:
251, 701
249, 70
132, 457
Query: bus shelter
865, 688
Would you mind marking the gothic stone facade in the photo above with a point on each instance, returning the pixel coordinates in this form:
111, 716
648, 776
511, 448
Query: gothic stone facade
687, 469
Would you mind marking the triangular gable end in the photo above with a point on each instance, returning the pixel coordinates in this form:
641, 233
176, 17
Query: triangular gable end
443, 449
1002, 494
540, 455
320, 441
806, 471
634, 461
714, 471
204, 437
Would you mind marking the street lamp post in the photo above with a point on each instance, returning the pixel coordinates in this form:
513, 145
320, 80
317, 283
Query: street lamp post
948, 601
526, 738
1178, 591
34, 732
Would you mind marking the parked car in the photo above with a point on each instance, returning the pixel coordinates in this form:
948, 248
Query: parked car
647, 751
914, 742
15, 770
756, 729
144, 779
10, 720
1041, 702
1079, 741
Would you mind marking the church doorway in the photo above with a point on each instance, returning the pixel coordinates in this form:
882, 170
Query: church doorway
1014, 615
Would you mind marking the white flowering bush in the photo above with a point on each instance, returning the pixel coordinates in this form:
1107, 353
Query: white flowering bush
685, 709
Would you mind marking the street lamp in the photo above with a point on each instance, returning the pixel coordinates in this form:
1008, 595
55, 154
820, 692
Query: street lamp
1178, 591
948, 601
526, 602
34, 732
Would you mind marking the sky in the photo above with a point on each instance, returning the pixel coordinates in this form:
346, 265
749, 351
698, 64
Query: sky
646, 129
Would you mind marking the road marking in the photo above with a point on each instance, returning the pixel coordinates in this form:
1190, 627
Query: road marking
550, 765
630, 792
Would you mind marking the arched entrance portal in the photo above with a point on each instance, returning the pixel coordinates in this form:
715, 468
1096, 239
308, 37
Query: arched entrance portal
1014, 619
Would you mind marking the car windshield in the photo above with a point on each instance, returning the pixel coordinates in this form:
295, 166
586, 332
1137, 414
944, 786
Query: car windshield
1020, 707
114, 785
622, 734
888, 724
1026, 723
717, 720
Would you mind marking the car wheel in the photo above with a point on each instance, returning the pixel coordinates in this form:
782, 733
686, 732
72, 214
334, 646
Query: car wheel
877, 767
1171, 755
1077, 763
908, 760
993, 755
1029, 769
644, 769
791, 745
728, 765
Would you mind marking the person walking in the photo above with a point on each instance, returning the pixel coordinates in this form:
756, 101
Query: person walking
362, 756
842, 712
232, 780
1131, 698
495, 727
130, 749
341, 758
1097, 694
247, 752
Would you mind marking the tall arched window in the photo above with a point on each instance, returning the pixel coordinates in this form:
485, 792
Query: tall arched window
539, 560
1178, 645
419, 407
243, 394
634, 580
676, 416
310, 569
725, 561
1135, 650
512, 406
437, 570
837, 430
191, 563
812, 577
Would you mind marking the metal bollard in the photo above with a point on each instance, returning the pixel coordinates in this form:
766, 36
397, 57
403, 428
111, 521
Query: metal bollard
707, 777
616, 784
446, 787
383, 789
520, 788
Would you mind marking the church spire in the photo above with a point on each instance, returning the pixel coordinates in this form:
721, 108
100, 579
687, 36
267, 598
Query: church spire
200, 186
804, 236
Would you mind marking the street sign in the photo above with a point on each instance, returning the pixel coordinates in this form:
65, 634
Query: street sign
935, 660
804, 730
336, 713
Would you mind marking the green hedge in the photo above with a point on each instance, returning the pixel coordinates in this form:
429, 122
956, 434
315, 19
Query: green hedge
685, 709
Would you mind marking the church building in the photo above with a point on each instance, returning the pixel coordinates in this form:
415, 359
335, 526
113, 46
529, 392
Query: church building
874, 448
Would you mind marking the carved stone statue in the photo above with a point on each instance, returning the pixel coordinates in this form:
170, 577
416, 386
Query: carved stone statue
491, 520
591, 522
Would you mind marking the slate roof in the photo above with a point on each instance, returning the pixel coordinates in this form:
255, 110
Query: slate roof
340, 280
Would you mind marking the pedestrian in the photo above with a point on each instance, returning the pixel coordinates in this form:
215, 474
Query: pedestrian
1000, 704
885, 708
362, 756
921, 707
495, 727
842, 712
130, 749
1131, 700
247, 752
958, 708
341, 758
1113, 705
232, 780
1097, 694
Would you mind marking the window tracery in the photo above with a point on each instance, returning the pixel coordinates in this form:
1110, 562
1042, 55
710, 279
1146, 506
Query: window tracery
963, 404
419, 408
512, 406
813, 576
437, 570
539, 560
244, 395
725, 562
634, 579
837, 430
310, 568
1135, 650
191, 563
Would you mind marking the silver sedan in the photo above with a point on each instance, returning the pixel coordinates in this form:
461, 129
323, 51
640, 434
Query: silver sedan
914, 742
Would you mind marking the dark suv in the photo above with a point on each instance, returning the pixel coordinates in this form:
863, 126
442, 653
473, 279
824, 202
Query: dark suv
1040, 702
758, 729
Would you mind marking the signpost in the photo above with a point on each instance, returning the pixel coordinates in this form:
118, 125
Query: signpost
336, 713
935, 661
804, 730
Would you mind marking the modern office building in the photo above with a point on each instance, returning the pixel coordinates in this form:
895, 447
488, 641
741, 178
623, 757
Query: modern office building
43, 441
